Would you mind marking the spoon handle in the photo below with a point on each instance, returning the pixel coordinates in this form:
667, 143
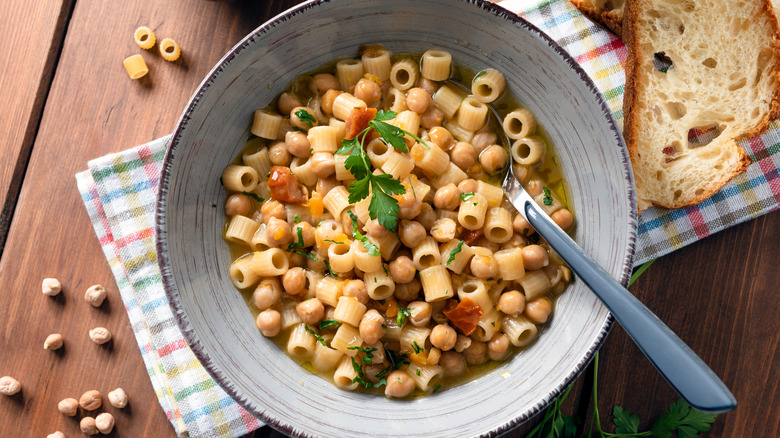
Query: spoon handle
679, 365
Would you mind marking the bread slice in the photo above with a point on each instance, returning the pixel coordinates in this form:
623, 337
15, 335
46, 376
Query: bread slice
724, 78
608, 13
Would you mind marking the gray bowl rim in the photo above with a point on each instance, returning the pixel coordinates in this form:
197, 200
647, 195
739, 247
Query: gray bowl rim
160, 235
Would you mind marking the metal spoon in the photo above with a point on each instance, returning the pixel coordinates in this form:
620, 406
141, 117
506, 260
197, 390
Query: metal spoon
676, 362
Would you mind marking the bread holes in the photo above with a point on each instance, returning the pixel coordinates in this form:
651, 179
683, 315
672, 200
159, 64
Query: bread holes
703, 135
677, 194
739, 84
676, 110
764, 58
661, 62
710, 63
672, 153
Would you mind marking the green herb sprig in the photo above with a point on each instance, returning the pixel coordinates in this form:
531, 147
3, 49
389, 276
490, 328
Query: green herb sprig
305, 117
370, 247
455, 251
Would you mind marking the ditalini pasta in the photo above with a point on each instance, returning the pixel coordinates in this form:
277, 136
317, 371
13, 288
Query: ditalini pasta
169, 50
365, 211
144, 37
135, 66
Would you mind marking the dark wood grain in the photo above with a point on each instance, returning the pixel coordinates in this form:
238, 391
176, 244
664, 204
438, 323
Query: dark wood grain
93, 108
33, 33
720, 296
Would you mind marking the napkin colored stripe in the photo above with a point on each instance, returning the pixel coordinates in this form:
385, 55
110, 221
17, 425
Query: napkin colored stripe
119, 193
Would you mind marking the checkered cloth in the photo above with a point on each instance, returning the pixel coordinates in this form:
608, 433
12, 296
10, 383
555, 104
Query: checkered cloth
119, 192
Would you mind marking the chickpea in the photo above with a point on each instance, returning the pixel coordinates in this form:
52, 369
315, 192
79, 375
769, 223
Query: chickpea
269, 322
534, 257
90, 400
9, 386
522, 226
418, 100
104, 423
288, 101
444, 337
368, 91
408, 206
563, 218
323, 164
399, 384
293, 281
483, 266
463, 155
467, 186
402, 270
482, 140
56, 434
278, 154
371, 330
238, 204
278, 232
311, 311
68, 406
475, 353
498, 346
411, 233
302, 117
375, 229
307, 231
95, 295
452, 363
441, 137
447, 197
426, 84
326, 102
462, 343
427, 216
356, 289
53, 342
100, 335
325, 185
266, 294
516, 241
408, 291
297, 144
51, 286
323, 82
420, 313
538, 310
444, 230
431, 118
87, 425
535, 187
118, 398
493, 158
273, 209
511, 302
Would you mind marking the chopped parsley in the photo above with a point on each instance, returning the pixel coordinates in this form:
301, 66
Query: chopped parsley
548, 200
251, 137
328, 323
213, 205
466, 196
330, 271
479, 75
360, 378
369, 353
297, 219
455, 252
299, 243
417, 348
333, 241
396, 362
403, 313
383, 207
221, 182
418, 371
253, 195
316, 336
525, 231
305, 117
370, 247
307, 255
436, 388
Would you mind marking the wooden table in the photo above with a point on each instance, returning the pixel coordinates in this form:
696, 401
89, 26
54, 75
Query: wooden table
65, 99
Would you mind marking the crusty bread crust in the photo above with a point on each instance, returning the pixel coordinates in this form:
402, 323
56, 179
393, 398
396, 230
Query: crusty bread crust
635, 90
612, 20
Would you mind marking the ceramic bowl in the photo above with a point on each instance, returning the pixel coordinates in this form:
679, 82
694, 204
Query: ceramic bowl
194, 259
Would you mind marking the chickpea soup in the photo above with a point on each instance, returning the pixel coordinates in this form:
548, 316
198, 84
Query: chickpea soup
369, 235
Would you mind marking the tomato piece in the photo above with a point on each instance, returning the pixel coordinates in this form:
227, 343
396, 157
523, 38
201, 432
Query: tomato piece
284, 186
470, 236
358, 121
464, 316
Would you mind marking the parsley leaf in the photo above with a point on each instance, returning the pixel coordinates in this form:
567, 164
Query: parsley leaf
685, 420
548, 200
299, 243
347, 146
359, 190
333, 241
454, 252
297, 219
316, 336
625, 422
436, 388
328, 323
383, 207
330, 271
478, 75
305, 117
307, 255
466, 196
384, 115
253, 195
390, 134
417, 348
403, 313
360, 377
370, 247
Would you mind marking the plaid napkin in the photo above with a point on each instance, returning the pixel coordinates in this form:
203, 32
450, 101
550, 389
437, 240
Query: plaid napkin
119, 192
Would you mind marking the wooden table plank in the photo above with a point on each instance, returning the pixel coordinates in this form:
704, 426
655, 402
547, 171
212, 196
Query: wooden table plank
93, 109
33, 34
720, 296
